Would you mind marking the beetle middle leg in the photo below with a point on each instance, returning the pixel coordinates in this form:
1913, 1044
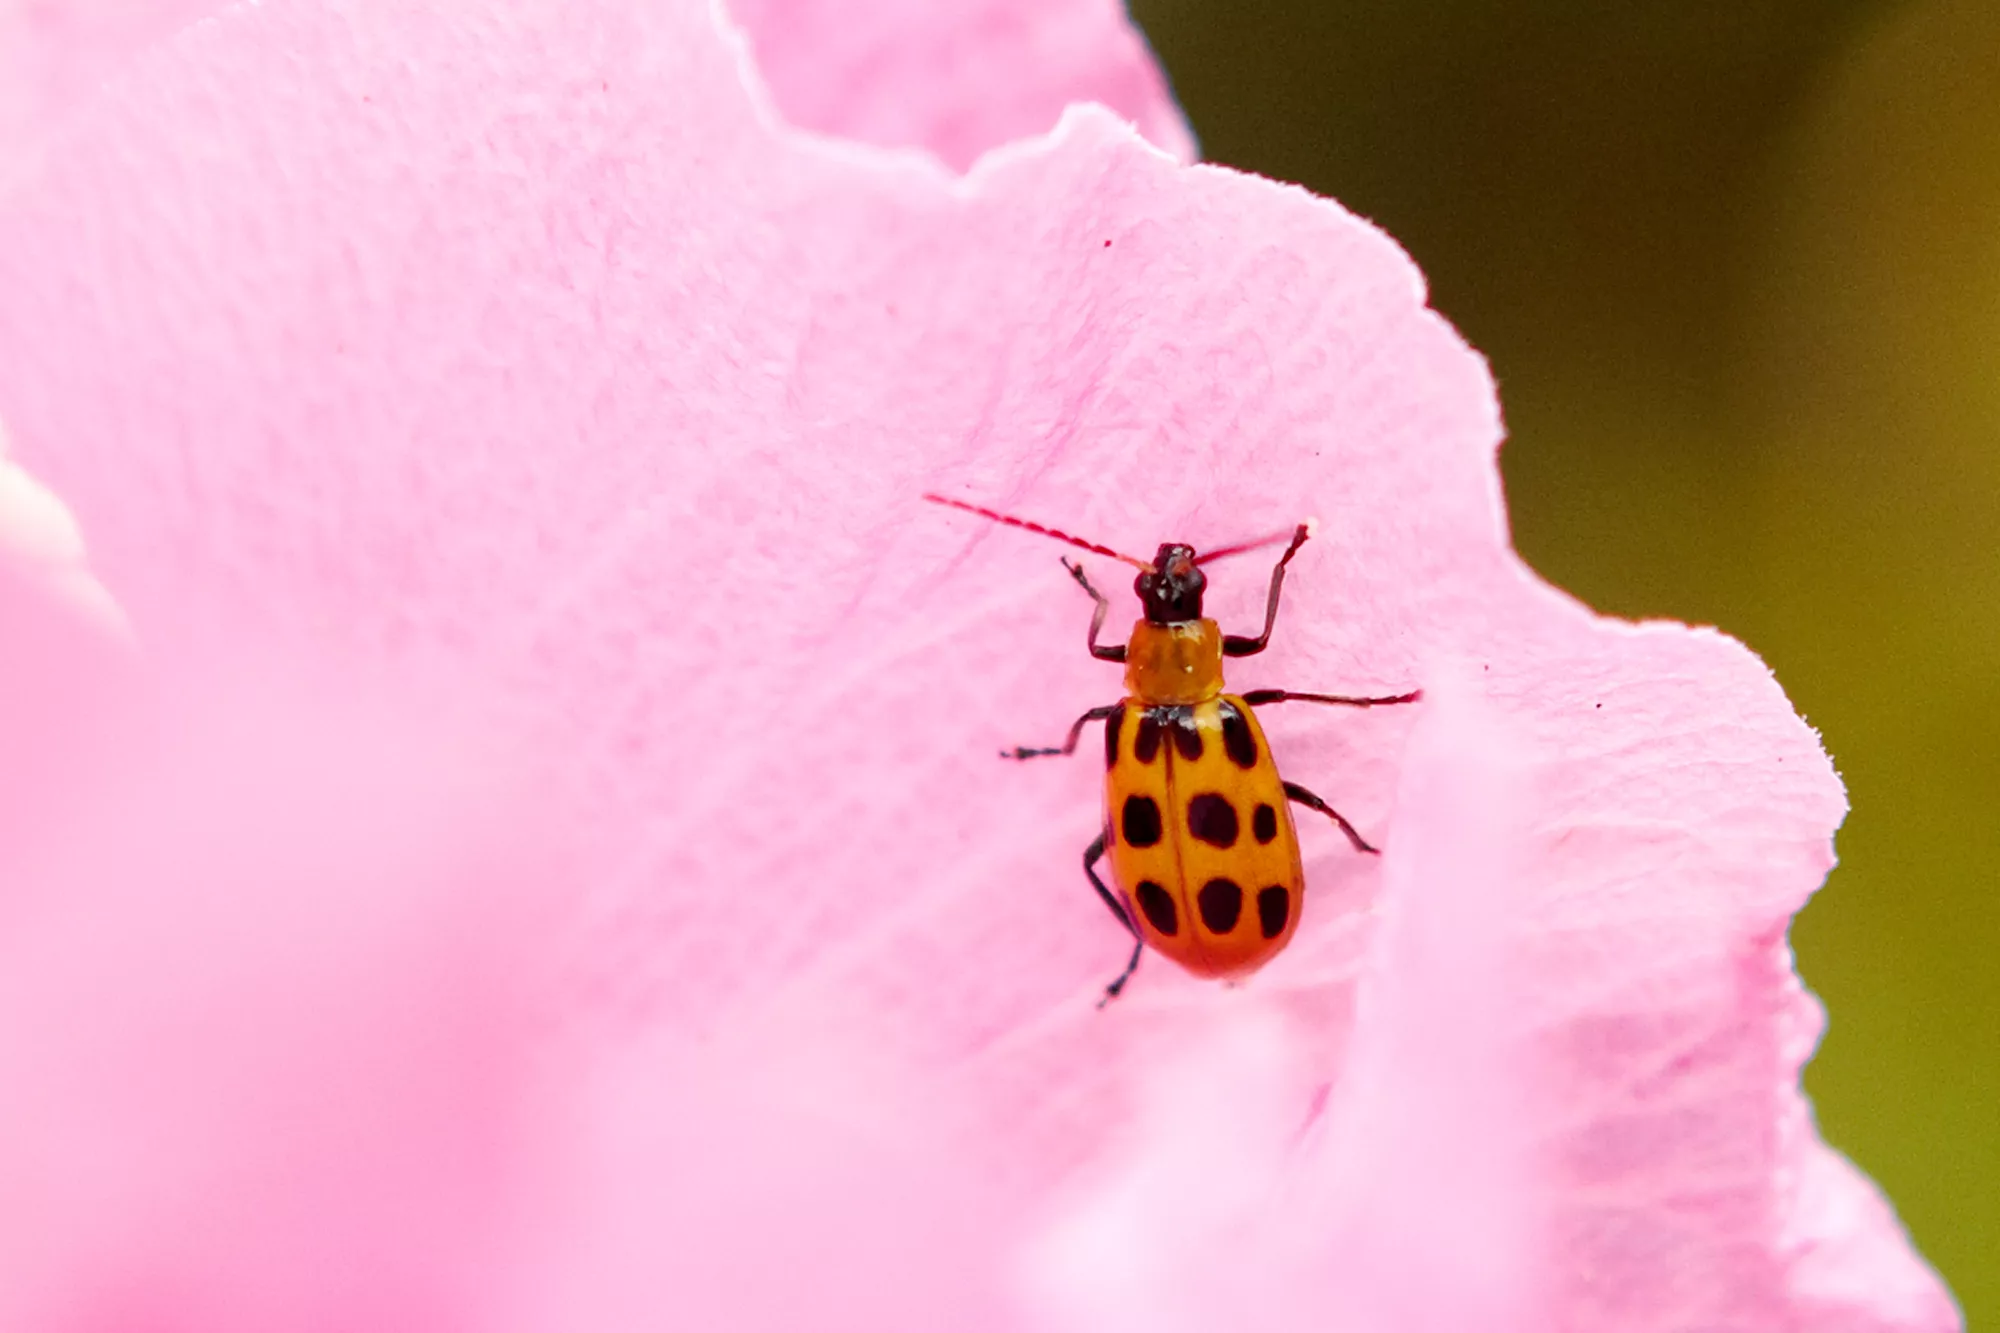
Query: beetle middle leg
1091, 856
1258, 698
1312, 802
1069, 745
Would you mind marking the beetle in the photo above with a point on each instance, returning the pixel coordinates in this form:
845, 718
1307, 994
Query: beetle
1197, 821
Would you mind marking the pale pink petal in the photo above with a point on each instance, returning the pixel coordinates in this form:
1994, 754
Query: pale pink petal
1423, 1186
1407, 1194
758, 1181
515, 364
956, 78
64, 648
265, 1028
53, 53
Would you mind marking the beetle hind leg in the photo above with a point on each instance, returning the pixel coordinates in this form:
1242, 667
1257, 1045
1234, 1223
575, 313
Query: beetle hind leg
1118, 983
1091, 856
1312, 802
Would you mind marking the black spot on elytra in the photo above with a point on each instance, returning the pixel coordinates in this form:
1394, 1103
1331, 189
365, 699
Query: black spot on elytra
1158, 905
1274, 909
1140, 821
1212, 819
1221, 904
1187, 736
1264, 823
1236, 738
1146, 743
1112, 726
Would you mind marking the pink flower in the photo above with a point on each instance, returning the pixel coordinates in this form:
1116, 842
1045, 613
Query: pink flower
502, 829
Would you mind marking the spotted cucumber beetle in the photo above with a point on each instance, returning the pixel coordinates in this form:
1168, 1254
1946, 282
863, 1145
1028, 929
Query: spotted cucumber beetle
1197, 821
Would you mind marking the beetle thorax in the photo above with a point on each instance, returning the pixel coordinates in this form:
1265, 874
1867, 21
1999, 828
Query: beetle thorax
1175, 663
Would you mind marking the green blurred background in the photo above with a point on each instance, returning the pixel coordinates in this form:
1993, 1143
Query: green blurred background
1737, 268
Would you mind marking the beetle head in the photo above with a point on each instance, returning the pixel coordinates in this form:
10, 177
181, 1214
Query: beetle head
1171, 587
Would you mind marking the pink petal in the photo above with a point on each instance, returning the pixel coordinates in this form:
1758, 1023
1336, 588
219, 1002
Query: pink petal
261, 1031
1832, 1219
54, 52
514, 365
956, 78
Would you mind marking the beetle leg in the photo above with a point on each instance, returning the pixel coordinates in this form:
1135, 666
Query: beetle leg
1091, 856
1258, 698
1102, 652
1312, 802
1236, 645
1069, 745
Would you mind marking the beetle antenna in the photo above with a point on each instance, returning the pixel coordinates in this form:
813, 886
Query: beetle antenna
1298, 536
1013, 522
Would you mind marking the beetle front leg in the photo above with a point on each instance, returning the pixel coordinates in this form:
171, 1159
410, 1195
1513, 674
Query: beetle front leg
1237, 645
1102, 652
